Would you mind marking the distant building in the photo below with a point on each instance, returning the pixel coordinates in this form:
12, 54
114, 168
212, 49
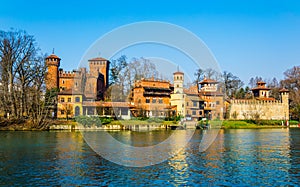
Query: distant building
81, 92
213, 99
194, 109
178, 97
77, 86
262, 106
188, 103
151, 98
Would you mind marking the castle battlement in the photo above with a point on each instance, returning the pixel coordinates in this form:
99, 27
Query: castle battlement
152, 80
73, 73
255, 101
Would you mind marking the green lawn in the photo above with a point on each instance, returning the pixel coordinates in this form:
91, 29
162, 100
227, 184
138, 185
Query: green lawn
249, 124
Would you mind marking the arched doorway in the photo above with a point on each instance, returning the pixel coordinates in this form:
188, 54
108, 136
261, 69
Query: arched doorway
77, 111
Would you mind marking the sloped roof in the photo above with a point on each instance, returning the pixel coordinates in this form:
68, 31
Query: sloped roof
69, 92
206, 81
52, 56
178, 72
284, 90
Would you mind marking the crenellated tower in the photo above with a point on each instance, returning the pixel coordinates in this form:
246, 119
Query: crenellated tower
284, 93
52, 79
100, 65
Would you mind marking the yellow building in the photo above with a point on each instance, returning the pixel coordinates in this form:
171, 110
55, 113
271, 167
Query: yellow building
178, 96
69, 104
187, 101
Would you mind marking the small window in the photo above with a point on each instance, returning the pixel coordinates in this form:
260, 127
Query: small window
217, 102
154, 100
62, 112
62, 100
194, 112
148, 100
187, 103
77, 99
180, 77
194, 103
177, 85
69, 99
63, 82
160, 101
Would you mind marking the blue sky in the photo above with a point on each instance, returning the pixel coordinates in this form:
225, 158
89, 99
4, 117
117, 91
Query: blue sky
248, 38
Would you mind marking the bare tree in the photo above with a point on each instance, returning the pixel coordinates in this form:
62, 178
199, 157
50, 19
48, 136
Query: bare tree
253, 81
22, 73
233, 85
292, 83
199, 76
125, 74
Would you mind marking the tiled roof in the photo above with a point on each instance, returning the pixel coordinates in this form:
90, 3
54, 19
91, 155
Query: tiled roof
260, 88
69, 92
284, 90
52, 56
107, 104
266, 99
205, 81
178, 72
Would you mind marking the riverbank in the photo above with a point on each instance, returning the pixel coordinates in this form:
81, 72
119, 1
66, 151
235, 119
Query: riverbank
249, 124
140, 125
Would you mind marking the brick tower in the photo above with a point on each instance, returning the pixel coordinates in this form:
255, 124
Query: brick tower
100, 65
52, 63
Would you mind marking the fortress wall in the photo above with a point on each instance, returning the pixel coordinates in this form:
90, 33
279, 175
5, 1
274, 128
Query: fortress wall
268, 110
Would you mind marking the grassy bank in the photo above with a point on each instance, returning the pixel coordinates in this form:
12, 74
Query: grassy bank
250, 124
226, 124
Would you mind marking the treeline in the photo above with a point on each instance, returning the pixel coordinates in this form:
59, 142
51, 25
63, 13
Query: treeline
124, 73
22, 71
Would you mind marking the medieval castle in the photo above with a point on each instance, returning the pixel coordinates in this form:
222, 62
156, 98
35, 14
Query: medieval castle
81, 92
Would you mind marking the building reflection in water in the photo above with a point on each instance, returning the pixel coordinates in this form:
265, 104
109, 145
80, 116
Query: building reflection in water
250, 157
137, 149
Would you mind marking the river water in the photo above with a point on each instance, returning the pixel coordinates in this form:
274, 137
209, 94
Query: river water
243, 157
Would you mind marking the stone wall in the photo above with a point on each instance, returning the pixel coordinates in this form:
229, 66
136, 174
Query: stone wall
251, 109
